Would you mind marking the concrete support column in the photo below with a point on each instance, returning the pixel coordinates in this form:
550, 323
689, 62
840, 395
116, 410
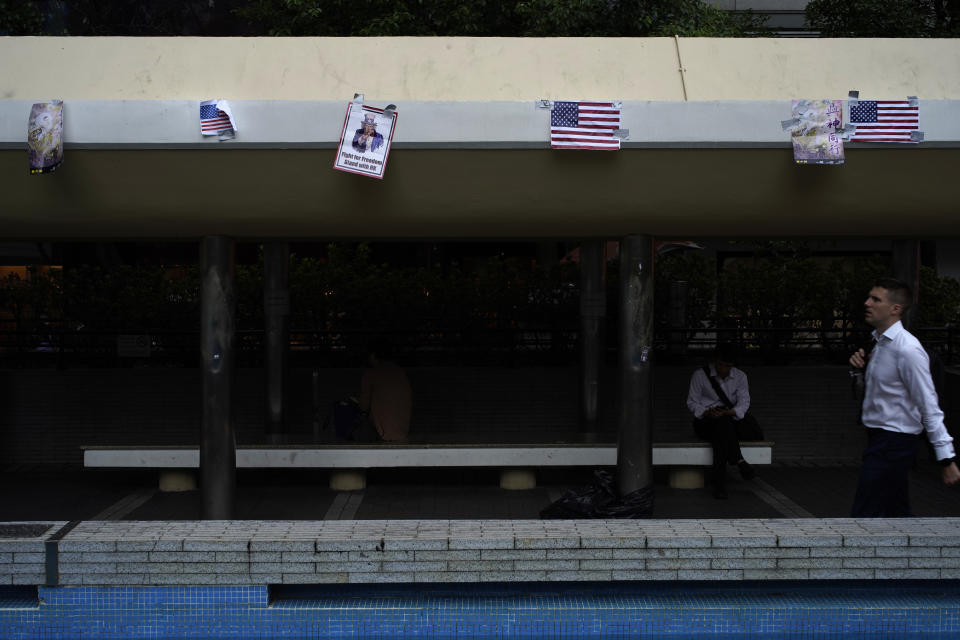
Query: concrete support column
635, 420
593, 309
218, 461
276, 318
906, 267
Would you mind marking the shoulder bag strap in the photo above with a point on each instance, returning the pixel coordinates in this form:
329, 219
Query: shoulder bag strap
717, 388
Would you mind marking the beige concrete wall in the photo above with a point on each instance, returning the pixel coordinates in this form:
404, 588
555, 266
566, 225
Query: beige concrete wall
472, 69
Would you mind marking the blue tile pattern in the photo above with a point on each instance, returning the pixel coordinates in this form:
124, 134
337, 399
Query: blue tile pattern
531, 610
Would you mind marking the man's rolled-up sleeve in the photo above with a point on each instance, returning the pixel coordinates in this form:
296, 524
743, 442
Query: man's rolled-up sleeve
696, 401
743, 396
914, 368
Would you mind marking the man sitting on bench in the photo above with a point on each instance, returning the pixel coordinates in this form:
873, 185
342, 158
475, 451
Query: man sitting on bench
719, 398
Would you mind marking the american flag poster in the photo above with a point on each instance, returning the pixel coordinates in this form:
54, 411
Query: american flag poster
216, 119
585, 125
884, 120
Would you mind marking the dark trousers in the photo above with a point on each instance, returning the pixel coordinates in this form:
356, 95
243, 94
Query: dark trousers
883, 488
725, 435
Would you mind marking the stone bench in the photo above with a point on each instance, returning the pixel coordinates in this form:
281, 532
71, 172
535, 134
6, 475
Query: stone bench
348, 463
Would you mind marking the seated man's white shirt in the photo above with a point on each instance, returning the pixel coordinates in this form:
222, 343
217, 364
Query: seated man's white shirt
702, 397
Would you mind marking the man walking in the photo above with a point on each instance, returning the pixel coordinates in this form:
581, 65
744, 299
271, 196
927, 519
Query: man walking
899, 404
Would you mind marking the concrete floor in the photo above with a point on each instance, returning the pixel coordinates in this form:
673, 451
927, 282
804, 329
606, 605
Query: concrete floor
782, 490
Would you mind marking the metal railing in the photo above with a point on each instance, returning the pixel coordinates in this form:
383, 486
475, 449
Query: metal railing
447, 346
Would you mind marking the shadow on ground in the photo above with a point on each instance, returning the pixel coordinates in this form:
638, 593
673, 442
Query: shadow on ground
783, 490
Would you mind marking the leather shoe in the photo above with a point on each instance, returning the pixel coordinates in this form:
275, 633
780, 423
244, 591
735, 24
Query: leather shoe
720, 493
746, 471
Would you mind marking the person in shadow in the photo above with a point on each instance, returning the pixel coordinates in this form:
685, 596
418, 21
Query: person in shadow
386, 398
719, 398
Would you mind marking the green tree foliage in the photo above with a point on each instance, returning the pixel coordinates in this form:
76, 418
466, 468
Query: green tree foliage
939, 299
783, 292
497, 18
699, 272
347, 290
779, 293
121, 17
631, 19
884, 18
29, 302
379, 18
19, 18
784, 285
128, 299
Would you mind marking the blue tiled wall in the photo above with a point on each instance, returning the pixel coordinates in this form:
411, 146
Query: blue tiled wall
624, 610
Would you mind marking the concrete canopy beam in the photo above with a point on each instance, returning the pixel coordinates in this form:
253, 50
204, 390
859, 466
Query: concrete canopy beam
261, 194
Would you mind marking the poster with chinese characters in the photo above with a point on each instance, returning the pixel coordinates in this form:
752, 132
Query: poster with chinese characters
365, 140
815, 134
45, 136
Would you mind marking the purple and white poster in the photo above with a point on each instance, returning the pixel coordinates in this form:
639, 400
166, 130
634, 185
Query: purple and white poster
45, 136
815, 136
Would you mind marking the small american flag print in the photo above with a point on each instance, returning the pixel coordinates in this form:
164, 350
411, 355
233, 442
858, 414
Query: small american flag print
212, 120
884, 120
585, 125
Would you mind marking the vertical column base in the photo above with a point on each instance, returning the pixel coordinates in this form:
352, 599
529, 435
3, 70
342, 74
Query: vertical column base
686, 478
174, 480
518, 479
348, 479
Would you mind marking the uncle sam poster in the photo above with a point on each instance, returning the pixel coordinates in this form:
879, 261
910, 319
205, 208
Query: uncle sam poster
365, 140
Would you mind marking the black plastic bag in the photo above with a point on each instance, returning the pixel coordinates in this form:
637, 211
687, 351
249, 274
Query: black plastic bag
601, 500
343, 416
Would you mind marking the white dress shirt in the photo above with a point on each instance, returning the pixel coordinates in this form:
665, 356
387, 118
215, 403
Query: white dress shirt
702, 396
899, 394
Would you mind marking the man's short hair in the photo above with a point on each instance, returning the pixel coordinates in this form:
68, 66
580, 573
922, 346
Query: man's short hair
726, 352
898, 291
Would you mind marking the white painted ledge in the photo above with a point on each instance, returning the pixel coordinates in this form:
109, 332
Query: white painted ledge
373, 456
281, 124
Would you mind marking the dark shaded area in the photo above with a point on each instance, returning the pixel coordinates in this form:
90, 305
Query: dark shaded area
373, 18
601, 499
812, 591
824, 490
827, 490
276, 495
137, 304
65, 495
19, 596
884, 18
23, 530
439, 502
